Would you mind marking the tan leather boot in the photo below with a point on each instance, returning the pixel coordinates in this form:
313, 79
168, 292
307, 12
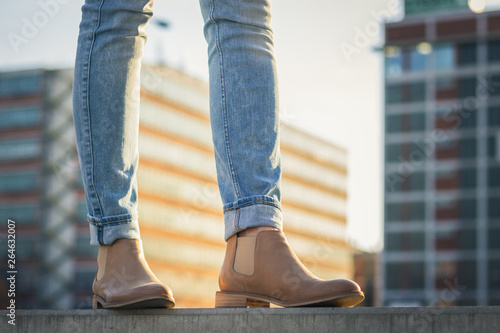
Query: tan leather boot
124, 280
263, 269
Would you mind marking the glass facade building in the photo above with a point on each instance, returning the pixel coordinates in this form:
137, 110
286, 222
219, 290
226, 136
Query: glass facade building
180, 210
40, 189
442, 160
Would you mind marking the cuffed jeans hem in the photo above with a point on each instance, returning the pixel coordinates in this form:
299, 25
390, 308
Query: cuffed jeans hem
265, 214
105, 231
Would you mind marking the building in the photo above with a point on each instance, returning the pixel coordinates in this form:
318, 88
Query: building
365, 273
442, 157
41, 190
180, 209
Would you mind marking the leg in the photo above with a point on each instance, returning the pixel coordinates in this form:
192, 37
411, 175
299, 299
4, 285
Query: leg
106, 113
259, 267
244, 112
106, 116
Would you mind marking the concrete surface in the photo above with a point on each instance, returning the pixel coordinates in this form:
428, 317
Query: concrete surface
372, 320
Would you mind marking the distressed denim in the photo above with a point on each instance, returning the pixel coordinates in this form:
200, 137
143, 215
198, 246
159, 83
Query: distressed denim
243, 112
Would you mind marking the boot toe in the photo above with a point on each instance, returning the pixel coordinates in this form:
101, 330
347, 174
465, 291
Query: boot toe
335, 288
148, 290
345, 285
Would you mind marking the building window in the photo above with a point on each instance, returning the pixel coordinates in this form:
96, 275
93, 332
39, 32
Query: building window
393, 212
84, 280
468, 178
19, 149
392, 152
22, 213
393, 94
467, 239
399, 60
25, 247
467, 54
494, 274
406, 122
455, 209
494, 147
83, 247
27, 282
417, 92
405, 275
414, 182
20, 85
405, 241
494, 177
468, 148
446, 88
447, 179
467, 87
407, 183
393, 123
445, 56
495, 85
468, 209
393, 61
494, 239
18, 181
81, 211
455, 240
79, 181
446, 209
494, 208
453, 273
19, 116
455, 119
405, 211
413, 92
418, 61
446, 149
417, 122
413, 152
468, 119
494, 50
494, 116
466, 275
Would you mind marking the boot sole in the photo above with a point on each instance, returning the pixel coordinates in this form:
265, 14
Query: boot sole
139, 303
227, 299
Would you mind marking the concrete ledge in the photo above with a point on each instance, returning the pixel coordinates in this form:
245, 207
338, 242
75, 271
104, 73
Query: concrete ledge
349, 320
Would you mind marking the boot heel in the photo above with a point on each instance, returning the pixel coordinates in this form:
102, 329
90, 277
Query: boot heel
225, 300
254, 303
95, 303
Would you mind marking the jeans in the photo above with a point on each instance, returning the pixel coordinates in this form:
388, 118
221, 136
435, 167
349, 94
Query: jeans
243, 112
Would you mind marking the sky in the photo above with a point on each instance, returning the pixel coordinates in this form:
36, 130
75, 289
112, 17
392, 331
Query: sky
330, 74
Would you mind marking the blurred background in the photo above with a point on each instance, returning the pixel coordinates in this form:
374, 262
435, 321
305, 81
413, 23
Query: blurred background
390, 117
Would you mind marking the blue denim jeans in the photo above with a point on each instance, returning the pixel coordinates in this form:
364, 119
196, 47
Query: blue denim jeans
243, 112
